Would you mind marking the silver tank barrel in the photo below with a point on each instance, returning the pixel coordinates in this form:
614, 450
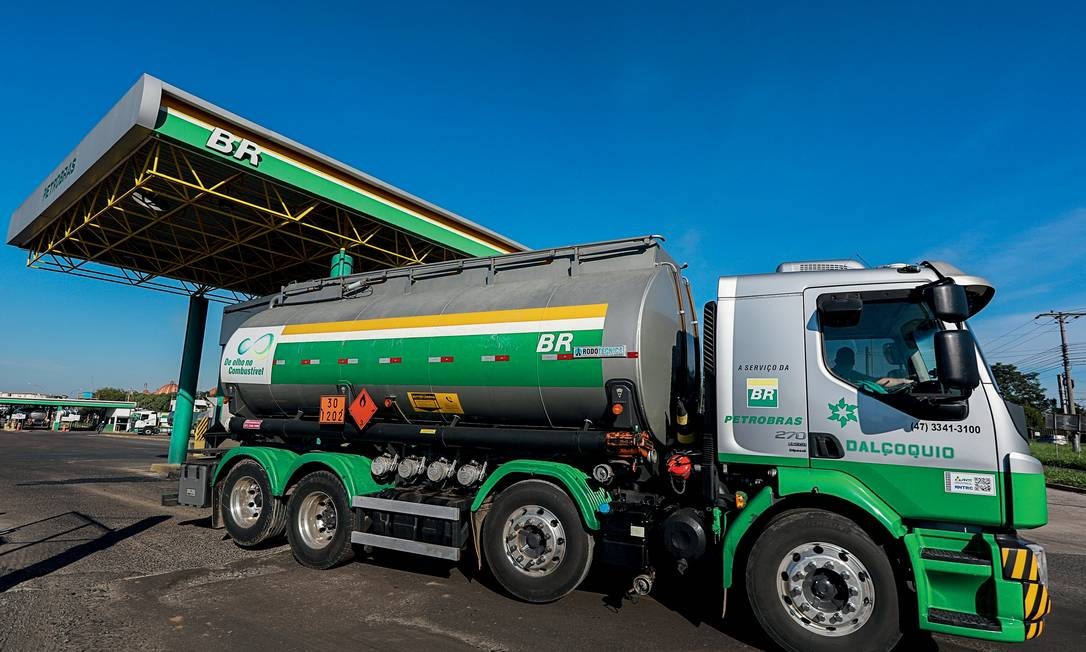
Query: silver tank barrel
528, 339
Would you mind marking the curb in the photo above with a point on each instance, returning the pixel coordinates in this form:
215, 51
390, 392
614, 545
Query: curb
152, 438
123, 435
1065, 487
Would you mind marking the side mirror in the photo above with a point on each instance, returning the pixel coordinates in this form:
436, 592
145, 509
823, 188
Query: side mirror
949, 302
956, 360
840, 309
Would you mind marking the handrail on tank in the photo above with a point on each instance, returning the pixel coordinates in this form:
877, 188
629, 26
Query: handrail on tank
581, 252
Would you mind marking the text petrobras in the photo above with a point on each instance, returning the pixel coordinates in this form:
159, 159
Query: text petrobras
763, 420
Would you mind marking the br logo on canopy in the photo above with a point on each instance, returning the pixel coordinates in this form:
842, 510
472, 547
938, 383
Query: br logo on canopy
256, 348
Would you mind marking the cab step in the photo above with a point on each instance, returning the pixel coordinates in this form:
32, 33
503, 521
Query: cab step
956, 557
432, 525
962, 619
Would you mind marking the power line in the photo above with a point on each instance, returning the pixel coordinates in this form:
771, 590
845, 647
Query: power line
1013, 330
1015, 344
1068, 384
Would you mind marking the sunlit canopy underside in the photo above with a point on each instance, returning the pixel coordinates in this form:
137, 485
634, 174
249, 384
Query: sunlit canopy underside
154, 204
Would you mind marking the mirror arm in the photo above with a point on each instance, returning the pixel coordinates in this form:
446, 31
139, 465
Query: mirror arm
942, 399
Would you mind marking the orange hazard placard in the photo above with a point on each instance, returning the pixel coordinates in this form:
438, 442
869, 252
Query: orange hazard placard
333, 408
362, 409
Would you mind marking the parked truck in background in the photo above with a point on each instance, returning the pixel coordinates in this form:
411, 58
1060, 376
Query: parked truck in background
827, 439
147, 422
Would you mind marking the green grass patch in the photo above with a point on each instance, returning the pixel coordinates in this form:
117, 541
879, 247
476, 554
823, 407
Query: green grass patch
1059, 456
1072, 477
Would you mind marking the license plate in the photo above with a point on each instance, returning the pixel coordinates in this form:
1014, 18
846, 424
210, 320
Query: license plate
333, 408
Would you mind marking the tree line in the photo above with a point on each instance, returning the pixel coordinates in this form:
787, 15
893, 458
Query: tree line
1025, 390
144, 400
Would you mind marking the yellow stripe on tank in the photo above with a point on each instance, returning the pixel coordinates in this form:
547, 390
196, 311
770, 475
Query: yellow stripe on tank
452, 319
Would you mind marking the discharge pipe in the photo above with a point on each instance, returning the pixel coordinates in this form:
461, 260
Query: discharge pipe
558, 441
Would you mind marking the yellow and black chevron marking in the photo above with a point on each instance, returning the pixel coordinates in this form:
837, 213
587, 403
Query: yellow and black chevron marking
1019, 564
201, 428
1033, 630
1036, 603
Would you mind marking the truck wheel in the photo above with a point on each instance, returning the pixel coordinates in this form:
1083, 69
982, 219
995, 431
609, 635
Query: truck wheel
534, 542
250, 513
816, 581
320, 521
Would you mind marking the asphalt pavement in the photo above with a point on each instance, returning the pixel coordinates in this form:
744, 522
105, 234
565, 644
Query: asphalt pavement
89, 559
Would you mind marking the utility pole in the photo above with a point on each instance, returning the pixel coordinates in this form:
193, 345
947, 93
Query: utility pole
1068, 384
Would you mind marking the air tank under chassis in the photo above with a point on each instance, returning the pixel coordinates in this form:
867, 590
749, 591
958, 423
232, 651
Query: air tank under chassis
529, 339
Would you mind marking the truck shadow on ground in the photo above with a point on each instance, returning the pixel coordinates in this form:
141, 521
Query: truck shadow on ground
121, 479
21, 539
700, 607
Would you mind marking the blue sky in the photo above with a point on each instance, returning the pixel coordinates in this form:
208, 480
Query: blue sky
747, 133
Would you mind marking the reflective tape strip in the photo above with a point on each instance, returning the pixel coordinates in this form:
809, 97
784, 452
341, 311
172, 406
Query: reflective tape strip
348, 361
495, 358
1036, 602
1030, 600
280, 362
390, 360
311, 362
1019, 565
1031, 630
440, 358
550, 356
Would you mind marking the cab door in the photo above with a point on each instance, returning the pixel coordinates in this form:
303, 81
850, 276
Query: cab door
866, 417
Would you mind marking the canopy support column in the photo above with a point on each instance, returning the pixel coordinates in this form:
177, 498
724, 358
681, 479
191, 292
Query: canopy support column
186, 382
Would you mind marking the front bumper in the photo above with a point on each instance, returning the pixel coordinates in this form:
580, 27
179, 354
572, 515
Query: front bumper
979, 585
1025, 563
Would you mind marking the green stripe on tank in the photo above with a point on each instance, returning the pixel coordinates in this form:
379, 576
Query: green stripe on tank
525, 367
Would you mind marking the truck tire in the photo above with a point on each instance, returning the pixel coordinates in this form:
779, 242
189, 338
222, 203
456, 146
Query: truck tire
534, 542
816, 581
250, 513
320, 521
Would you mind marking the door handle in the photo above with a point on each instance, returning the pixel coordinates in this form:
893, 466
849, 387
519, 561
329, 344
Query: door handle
825, 446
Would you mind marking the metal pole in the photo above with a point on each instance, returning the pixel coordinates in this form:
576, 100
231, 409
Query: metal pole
1068, 383
186, 382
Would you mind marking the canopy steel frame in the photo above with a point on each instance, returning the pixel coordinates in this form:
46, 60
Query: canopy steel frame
176, 220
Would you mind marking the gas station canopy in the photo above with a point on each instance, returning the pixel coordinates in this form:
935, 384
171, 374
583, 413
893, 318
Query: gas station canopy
172, 193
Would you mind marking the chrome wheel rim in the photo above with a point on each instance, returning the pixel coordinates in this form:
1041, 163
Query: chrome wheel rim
317, 520
246, 502
535, 540
826, 589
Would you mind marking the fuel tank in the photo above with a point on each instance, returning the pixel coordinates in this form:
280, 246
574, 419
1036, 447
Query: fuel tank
528, 339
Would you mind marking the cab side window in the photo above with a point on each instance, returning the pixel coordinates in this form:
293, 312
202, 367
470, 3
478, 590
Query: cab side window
888, 349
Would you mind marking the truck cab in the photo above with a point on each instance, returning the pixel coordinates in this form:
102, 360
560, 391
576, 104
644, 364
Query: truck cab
861, 390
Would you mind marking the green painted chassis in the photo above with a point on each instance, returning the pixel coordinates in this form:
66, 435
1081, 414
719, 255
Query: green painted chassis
940, 584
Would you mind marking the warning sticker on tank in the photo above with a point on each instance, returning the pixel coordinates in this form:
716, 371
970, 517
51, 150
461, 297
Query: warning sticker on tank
599, 351
440, 402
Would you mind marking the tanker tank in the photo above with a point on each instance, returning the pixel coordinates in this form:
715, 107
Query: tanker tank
535, 339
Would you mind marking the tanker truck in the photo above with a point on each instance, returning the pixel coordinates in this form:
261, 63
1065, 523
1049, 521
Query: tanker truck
827, 440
